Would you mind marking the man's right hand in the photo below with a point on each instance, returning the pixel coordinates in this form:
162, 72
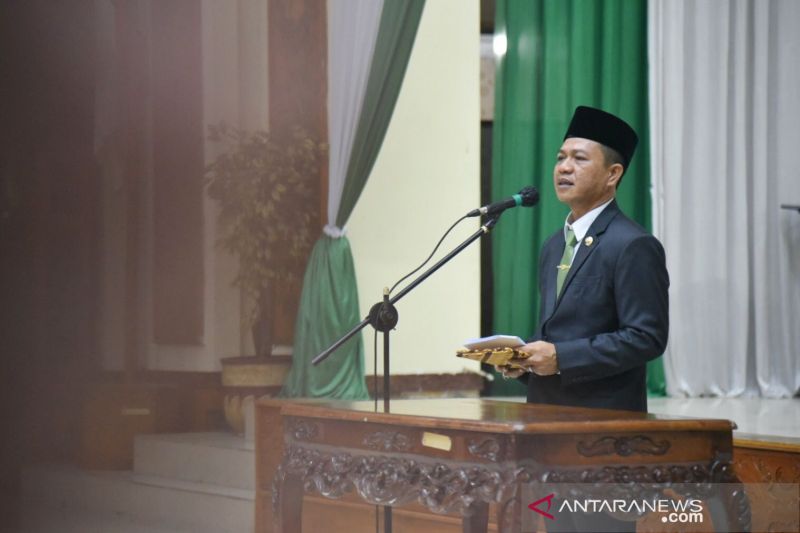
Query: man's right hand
511, 372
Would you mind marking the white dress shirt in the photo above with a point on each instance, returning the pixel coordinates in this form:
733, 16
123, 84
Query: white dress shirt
581, 226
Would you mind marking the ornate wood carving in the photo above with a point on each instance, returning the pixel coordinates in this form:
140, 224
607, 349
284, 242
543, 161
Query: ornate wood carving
303, 430
776, 473
277, 483
388, 441
508, 514
623, 446
770, 478
384, 480
486, 448
717, 472
456, 488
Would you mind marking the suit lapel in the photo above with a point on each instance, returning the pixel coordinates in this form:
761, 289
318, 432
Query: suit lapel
595, 233
552, 259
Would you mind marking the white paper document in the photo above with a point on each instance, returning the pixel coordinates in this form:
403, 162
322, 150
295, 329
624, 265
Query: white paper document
494, 341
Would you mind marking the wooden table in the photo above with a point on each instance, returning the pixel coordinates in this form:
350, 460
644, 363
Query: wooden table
460, 455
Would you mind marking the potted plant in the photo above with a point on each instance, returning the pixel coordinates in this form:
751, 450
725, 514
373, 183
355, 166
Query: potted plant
266, 186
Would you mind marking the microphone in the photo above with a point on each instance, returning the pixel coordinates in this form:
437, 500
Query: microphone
527, 197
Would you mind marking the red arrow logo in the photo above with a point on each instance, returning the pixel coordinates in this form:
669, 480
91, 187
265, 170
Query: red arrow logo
535, 506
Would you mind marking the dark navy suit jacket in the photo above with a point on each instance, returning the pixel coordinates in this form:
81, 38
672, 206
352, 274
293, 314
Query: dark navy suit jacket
610, 319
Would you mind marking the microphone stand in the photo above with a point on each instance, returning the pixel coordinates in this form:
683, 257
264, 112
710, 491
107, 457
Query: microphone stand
383, 317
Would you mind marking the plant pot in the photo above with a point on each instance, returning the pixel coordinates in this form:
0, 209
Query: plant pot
247, 379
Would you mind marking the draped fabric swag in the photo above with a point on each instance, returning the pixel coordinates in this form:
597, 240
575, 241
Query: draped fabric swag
369, 44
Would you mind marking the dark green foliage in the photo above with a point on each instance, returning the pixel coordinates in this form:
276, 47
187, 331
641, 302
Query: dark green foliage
267, 190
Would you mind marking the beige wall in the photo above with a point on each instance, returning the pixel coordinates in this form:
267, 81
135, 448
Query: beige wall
425, 177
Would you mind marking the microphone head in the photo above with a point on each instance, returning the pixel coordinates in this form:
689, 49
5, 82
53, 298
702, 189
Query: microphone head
530, 196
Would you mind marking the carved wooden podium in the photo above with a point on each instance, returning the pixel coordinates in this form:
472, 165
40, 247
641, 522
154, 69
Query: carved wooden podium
461, 455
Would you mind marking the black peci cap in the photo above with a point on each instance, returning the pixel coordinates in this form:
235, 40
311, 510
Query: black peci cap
604, 128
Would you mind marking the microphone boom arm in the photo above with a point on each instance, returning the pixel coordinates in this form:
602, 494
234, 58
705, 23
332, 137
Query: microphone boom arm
375, 316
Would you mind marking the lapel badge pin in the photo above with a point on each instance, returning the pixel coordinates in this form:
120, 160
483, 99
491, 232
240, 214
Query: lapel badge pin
588, 241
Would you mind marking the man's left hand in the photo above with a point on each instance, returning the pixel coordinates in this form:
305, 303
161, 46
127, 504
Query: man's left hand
542, 358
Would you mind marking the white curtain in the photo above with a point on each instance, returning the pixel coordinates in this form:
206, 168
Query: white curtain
352, 30
725, 138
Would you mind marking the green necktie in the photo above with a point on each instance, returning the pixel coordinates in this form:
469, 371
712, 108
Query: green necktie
566, 260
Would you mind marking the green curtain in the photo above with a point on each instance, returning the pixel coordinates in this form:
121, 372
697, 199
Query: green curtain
329, 301
328, 309
398, 28
560, 54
